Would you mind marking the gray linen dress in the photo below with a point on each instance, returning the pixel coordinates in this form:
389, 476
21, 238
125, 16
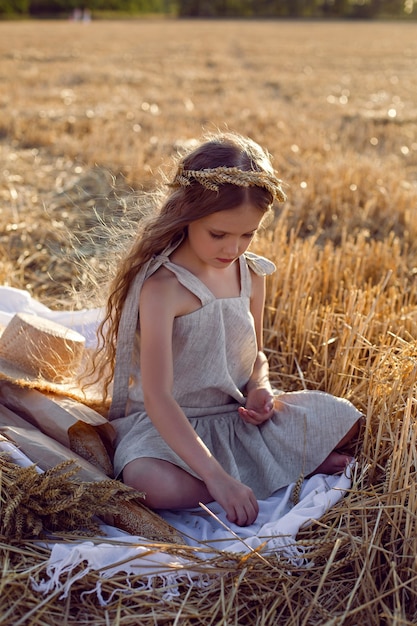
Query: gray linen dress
214, 351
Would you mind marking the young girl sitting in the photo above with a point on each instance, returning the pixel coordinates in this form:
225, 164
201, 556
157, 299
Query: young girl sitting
195, 415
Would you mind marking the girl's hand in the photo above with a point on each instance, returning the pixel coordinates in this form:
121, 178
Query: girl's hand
237, 499
259, 406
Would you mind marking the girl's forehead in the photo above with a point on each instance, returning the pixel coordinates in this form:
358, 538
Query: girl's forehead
244, 218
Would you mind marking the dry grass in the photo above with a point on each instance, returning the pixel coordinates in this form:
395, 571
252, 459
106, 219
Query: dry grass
88, 111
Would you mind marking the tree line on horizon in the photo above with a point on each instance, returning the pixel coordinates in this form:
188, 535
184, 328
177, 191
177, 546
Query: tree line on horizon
360, 9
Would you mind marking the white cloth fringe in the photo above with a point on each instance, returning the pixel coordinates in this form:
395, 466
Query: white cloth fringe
121, 556
274, 531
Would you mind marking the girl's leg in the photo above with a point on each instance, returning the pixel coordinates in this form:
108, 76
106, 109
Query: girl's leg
335, 463
166, 486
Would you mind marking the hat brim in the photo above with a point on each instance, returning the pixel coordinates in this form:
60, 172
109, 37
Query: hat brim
89, 396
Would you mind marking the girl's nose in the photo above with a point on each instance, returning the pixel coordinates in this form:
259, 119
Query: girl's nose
232, 249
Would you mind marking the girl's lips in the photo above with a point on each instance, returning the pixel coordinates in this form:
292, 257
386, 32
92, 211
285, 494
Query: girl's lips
226, 260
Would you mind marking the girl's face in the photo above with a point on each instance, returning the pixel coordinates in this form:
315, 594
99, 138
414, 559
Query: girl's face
219, 239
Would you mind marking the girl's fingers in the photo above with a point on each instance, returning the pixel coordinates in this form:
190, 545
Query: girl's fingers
252, 417
245, 414
246, 516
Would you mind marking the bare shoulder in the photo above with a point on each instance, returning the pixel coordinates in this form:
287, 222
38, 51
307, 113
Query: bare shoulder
160, 287
162, 290
160, 280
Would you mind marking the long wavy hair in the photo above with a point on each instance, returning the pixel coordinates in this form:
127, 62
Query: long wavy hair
169, 223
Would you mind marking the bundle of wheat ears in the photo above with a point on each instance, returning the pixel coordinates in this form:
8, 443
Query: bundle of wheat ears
35, 504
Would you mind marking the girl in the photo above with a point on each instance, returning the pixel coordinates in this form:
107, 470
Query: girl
192, 405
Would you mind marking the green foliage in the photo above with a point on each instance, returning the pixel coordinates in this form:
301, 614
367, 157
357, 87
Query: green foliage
363, 9
43, 7
14, 7
291, 8
126, 6
56, 7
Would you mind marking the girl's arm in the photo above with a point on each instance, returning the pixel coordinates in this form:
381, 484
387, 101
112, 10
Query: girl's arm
259, 397
162, 298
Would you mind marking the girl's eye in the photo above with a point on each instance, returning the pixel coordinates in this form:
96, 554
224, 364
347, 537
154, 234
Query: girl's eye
221, 236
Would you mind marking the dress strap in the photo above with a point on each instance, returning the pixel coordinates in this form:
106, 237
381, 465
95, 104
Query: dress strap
259, 264
245, 278
191, 282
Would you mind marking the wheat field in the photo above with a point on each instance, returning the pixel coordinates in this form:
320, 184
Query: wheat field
91, 114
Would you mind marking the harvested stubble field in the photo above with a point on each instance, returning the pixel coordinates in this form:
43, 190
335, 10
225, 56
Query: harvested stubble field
89, 113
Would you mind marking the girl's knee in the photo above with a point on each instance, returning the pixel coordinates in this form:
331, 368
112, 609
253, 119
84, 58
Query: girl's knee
145, 475
137, 473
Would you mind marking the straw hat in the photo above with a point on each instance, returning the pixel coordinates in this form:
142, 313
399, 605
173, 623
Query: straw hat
38, 353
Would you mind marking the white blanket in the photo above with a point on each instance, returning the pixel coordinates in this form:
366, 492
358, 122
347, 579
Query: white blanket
205, 529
